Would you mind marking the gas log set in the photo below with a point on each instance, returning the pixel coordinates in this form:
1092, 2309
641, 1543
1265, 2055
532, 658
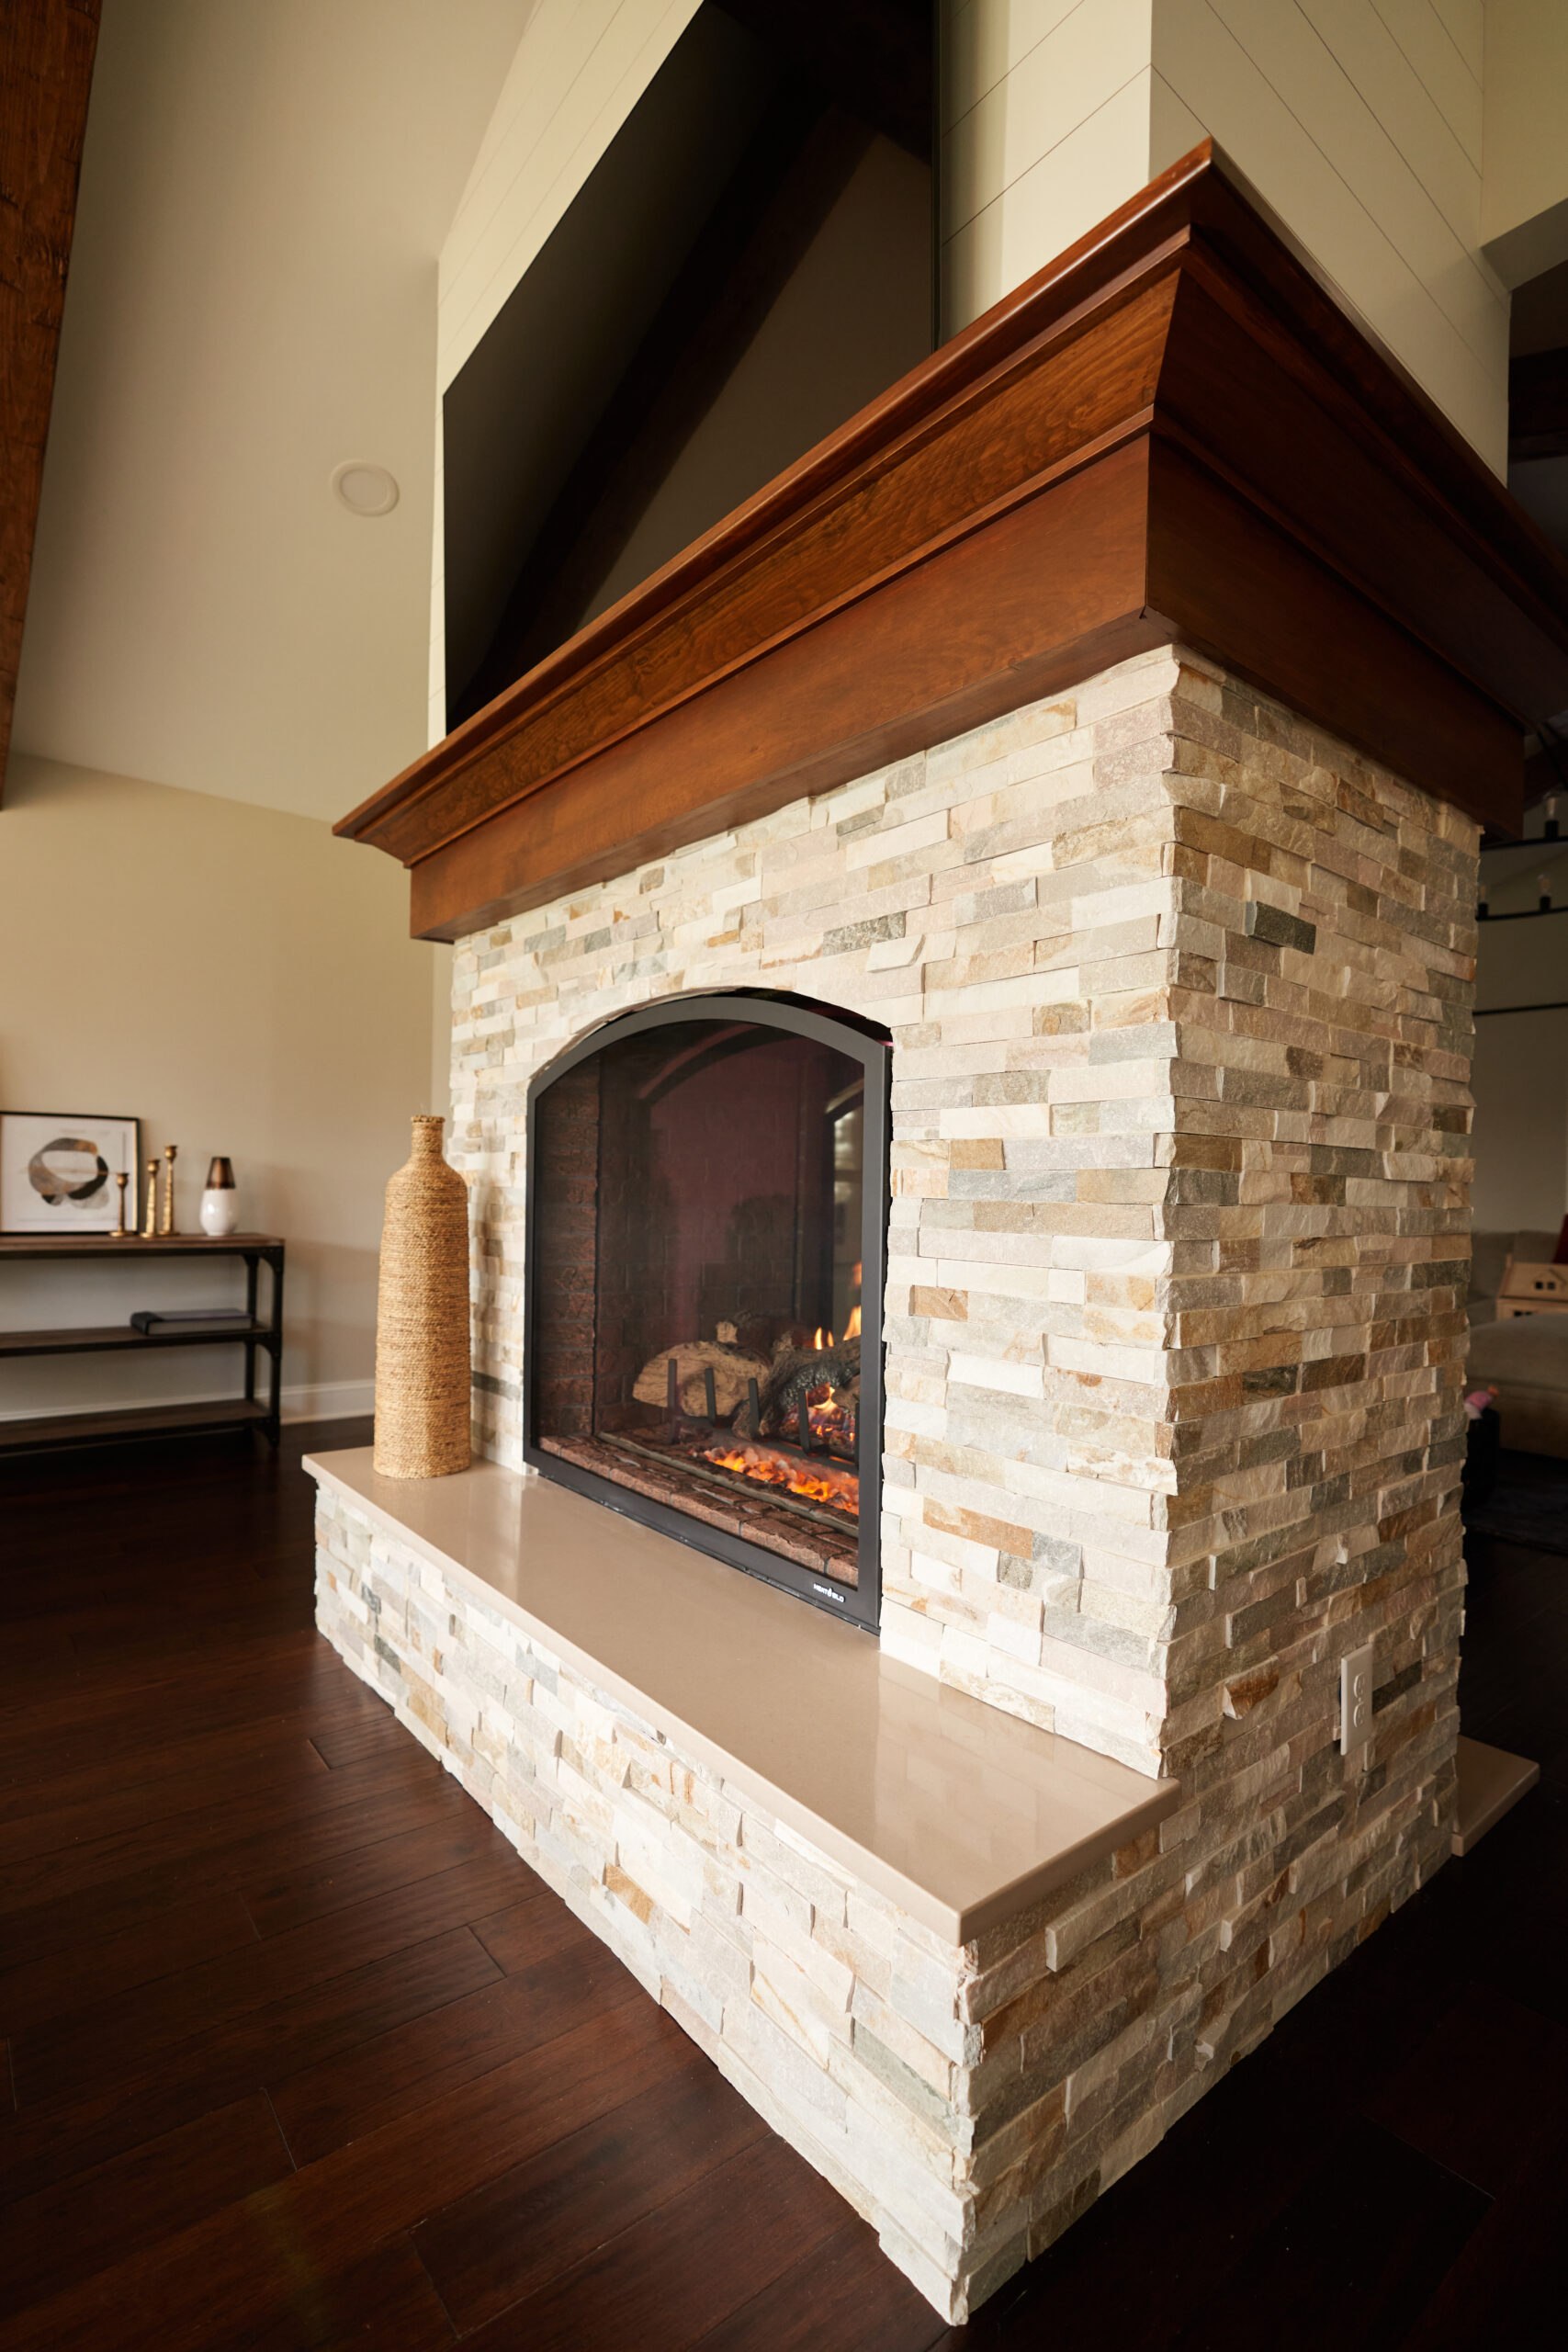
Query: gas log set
706, 1187
793, 1430
778, 1431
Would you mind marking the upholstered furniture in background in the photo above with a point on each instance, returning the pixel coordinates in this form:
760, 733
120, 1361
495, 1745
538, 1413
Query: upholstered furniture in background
1525, 1356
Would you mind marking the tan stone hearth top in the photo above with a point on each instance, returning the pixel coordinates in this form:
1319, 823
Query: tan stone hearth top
958, 1812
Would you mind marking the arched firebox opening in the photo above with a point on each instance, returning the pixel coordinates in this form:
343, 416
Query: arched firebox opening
706, 1247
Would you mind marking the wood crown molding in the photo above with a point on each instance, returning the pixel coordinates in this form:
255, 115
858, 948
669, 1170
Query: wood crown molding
1172, 431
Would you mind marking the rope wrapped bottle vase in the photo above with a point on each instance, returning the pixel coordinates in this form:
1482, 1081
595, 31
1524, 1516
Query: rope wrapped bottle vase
421, 1319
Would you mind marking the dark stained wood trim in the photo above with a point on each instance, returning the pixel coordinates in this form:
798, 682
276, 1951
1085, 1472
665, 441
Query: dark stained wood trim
886, 673
1262, 602
1545, 770
45, 71
1537, 406
1173, 430
993, 446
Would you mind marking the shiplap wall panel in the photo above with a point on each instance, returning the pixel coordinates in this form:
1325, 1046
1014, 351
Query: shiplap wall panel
1449, 66
1358, 120
1053, 85
580, 69
1464, 21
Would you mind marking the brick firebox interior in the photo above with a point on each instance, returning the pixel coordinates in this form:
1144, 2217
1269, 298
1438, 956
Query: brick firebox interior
1180, 989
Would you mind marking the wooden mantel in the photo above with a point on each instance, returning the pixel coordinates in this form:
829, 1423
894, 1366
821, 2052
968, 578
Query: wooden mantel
1172, 431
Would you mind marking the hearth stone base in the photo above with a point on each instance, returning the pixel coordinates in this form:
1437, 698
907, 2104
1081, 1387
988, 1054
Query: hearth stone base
839, 2018
969, 2100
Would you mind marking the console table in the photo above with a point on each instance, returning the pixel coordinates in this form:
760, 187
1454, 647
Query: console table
44, 1430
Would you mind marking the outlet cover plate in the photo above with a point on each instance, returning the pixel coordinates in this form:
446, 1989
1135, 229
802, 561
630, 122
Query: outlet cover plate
1355, 1700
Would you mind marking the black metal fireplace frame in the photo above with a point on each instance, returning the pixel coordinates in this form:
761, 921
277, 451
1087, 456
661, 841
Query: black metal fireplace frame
845, 1033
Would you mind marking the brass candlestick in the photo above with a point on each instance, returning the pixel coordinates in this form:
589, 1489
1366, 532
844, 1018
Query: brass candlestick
120, 1233
149, 1219
169, 1151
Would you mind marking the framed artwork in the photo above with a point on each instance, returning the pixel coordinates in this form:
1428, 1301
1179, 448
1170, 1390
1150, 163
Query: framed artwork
57, 1171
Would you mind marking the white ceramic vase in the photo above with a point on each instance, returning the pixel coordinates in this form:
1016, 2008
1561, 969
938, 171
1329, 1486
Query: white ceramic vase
220, 1202
220, 1211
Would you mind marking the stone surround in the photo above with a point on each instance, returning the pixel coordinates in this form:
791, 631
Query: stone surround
1180, 997
1180, 993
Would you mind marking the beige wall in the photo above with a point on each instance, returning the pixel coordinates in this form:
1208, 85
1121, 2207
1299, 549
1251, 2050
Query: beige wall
1524, 203
252, 303
1361, 121
1046, 129
244, 984
1520, 1083
1519, 1076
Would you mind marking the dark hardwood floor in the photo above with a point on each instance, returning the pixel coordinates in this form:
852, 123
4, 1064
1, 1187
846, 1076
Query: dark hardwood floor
297, 2052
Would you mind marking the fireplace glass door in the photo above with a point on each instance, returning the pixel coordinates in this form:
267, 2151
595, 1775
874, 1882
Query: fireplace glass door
707, 1195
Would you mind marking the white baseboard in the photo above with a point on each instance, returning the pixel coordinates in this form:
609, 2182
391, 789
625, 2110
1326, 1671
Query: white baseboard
329, 1400
326, 1400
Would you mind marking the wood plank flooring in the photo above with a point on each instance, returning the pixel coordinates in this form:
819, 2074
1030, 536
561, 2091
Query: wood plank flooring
296, 2052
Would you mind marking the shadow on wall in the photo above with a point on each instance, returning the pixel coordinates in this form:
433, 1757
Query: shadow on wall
498, 1339
1521, 1085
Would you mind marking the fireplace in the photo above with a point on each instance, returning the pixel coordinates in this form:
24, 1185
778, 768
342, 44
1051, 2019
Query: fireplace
1081, 715
707, 1194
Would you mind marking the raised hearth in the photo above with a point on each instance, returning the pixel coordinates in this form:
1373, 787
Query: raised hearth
827, 1868
959, 1815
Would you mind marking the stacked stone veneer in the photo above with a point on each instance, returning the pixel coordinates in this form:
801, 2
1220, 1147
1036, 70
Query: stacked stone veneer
1180, 993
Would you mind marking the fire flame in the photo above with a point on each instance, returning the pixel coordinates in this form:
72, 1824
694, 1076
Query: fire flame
852, 1329
841, 1489
826, 1419
831, 1421
818, 1342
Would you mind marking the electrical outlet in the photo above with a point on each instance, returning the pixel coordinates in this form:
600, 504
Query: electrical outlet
1355, 1700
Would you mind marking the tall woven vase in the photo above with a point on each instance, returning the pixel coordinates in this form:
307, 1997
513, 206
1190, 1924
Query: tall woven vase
422, 1320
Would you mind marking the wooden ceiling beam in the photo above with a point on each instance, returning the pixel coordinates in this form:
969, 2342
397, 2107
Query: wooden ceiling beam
46, 72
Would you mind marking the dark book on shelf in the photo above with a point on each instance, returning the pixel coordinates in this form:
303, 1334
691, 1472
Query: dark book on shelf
195, 1319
